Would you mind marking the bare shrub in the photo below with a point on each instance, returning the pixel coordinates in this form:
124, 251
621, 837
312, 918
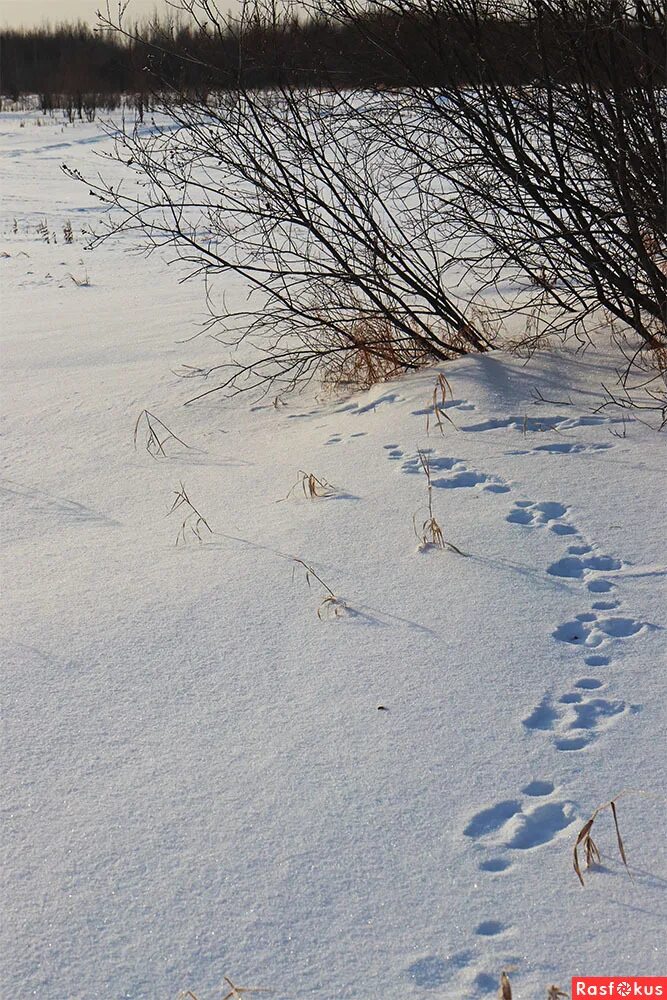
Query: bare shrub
555, 158
299, 192
514, 148
374, 351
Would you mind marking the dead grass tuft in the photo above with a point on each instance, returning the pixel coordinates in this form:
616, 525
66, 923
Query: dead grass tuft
505, 992
313, 487
235, 992
441, 392
194, 523
587, 844
431, 536
157, 434
83, 282
378, 352
331, 606
43, 230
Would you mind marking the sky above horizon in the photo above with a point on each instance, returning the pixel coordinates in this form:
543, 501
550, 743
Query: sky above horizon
28, 13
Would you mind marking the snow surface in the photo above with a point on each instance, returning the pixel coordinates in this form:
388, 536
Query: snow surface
198, 779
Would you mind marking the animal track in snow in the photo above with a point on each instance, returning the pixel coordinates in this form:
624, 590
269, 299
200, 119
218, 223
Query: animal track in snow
562, 448
581, 563
538, 788
395, 452
597, 661
540, 825
576, 719
537, 515
450, 404
543, 716
459, 475
521, 423
355, 408
340, 439
521, 829
525, 424
495, 865
490, 928
386, 397
491, 819
591, 630
432, 971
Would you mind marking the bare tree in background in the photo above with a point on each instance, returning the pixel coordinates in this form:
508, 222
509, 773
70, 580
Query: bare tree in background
368, 222
558, 153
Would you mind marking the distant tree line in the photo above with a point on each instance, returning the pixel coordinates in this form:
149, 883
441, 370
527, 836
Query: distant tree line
77, 64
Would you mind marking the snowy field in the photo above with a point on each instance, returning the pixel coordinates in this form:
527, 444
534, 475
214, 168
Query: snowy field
201, 776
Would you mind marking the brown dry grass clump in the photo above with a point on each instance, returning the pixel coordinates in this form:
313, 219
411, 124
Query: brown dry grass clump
505, 990
378, 351
588, 845
313, 487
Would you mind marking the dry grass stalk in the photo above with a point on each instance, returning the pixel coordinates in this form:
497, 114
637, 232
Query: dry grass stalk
588, 845
43, 230
157, 434
237, 991
438, 400
378, 351
313, 487
80, 282
505, 991
331, 606
194, 523
431, 535
660, 358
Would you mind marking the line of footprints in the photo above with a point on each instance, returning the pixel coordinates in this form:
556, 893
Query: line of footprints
575, 718
580, 715
572, 719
